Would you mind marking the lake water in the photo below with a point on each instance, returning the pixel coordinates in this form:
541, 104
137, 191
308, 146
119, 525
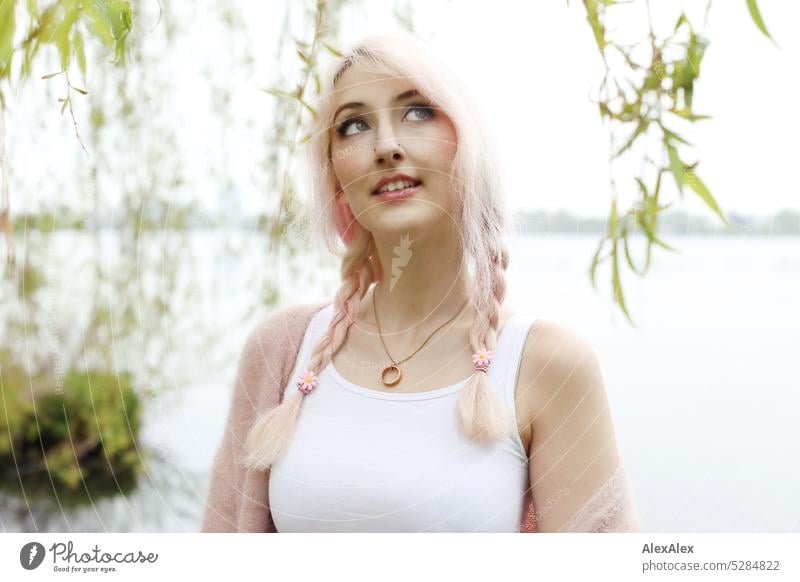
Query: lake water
705, 392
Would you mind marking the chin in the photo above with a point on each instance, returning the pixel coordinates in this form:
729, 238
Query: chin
388, 219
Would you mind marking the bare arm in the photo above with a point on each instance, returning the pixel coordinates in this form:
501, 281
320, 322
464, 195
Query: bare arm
577, 479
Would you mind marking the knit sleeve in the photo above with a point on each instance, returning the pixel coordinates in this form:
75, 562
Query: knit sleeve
258, 370
610, 509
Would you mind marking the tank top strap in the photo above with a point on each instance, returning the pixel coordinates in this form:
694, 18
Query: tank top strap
316, 327
504, 371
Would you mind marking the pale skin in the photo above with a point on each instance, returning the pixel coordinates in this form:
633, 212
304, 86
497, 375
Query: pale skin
562, 410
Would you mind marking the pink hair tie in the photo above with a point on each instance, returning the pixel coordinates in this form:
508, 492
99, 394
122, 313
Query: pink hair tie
481, 360
307, 381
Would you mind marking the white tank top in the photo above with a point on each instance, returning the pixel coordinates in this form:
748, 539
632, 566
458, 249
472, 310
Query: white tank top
361, 460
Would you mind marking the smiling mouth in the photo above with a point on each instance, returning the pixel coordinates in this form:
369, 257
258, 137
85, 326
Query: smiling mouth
413, 184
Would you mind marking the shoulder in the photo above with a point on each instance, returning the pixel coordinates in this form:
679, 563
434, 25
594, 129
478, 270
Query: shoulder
283, 324
558, 349
272, 343
558, 371
573, 445
290, 318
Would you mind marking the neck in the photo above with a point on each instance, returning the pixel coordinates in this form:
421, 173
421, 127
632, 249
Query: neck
423, 285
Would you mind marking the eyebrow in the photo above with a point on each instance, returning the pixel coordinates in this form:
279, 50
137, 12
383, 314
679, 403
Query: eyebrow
356, 104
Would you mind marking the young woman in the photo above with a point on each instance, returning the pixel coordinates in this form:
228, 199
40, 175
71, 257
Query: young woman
420, 401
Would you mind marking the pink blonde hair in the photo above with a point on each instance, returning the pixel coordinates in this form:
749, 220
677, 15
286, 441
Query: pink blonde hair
481, 215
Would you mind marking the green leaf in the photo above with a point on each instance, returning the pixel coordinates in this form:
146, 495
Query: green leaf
648, 215
641, 128
98, 25
593, 16
278, 92
657, 241
332, 50
7, 27
48, 22
111, 21
695, 52
62, 33
28, 53
612, 221
33, 9
80, 52
671, 135
628, 256
596, 262
696, 184
755, 14
304, 56
307, 106
619, 296
648, 224
687, 114
642, 187
676, 166
681, 20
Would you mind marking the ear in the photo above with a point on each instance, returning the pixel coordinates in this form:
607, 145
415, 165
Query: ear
344, 218
339, 195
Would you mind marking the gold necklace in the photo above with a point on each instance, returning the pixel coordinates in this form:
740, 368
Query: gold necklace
395, 366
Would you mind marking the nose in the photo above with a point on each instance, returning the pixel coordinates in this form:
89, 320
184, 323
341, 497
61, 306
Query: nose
388, 149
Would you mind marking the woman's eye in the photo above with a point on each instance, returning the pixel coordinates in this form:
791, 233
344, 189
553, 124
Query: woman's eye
421, 111
425, 110
344, 127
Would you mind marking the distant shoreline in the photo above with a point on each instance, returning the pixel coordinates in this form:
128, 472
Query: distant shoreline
784, 222
672, 222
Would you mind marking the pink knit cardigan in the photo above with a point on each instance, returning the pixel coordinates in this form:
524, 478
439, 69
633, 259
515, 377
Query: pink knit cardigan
238, 499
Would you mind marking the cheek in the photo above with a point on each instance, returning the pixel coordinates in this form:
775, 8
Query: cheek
443, 149
349, 166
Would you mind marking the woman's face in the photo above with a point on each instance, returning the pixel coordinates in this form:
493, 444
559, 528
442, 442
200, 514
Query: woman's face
390, 131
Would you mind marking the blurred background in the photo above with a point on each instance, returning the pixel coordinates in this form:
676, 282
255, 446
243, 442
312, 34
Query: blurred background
150, 184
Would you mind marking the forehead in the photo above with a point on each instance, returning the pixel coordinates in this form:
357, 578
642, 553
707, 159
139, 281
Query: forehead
357, 84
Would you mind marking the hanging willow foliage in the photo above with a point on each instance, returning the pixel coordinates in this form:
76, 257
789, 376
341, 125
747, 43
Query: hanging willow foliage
643, 99
64, 25
292, 107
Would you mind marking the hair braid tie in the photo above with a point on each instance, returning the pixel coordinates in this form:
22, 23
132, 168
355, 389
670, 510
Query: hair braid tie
482, 359
307, 381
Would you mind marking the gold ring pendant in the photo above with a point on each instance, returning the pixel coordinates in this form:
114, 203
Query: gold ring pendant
389, 369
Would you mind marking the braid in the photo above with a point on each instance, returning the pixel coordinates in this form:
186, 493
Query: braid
271, 433
482, 416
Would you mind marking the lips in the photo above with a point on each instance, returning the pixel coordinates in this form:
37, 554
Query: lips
399, 194
394, 178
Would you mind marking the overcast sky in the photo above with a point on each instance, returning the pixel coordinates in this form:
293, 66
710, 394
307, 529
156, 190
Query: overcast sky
532, 66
